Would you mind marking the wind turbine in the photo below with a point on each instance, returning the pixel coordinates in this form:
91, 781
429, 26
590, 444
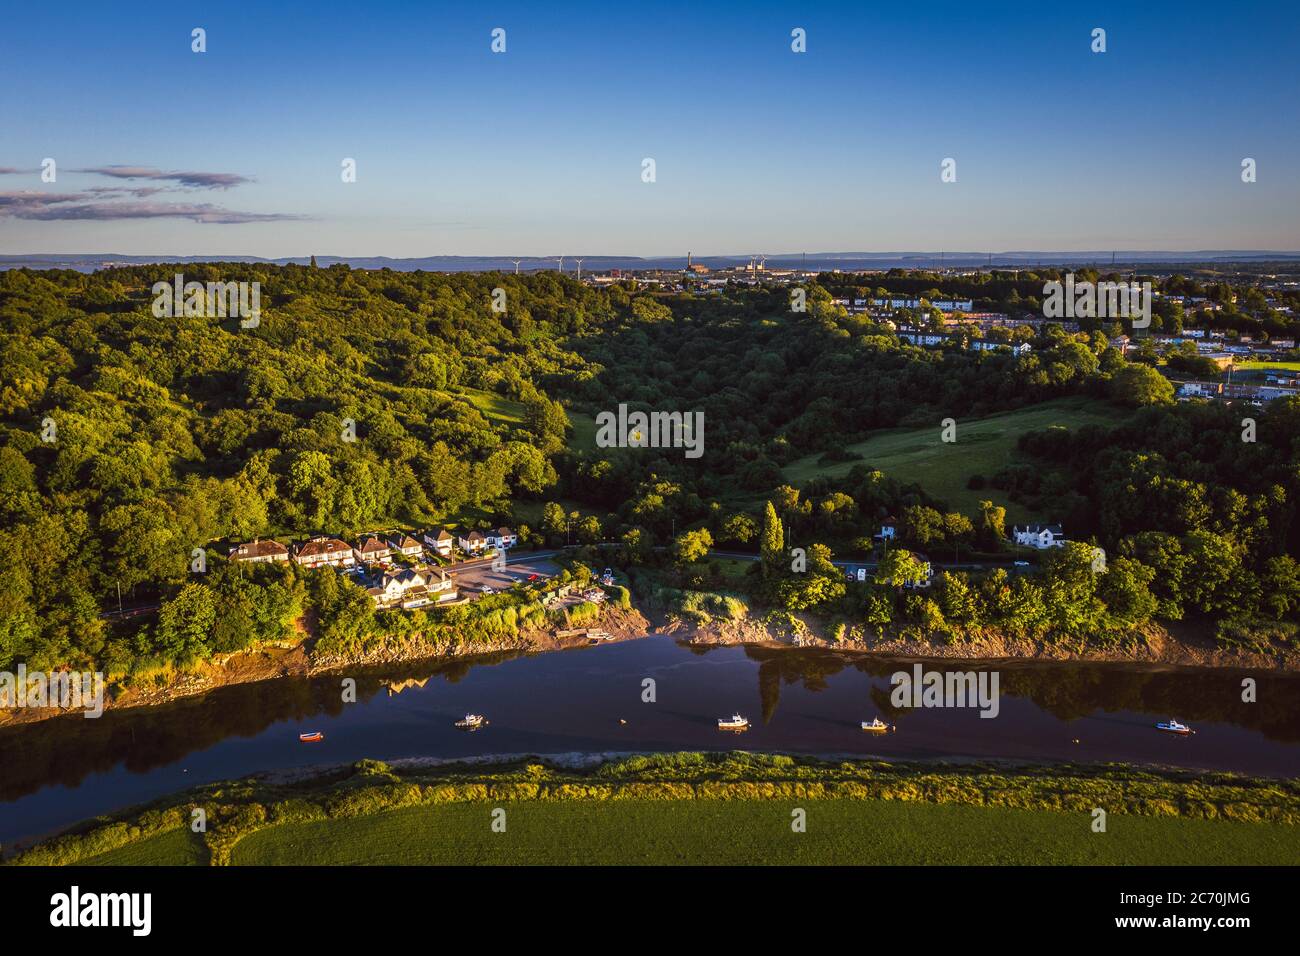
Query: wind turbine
561, 258
516, 262
579, 262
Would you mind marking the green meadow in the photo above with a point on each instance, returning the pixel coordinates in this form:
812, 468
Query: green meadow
706, 808
984, 446
732, 832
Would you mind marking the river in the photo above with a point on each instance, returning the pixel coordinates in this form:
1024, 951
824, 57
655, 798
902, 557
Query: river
69, 768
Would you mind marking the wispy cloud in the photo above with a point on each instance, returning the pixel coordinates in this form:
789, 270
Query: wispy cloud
194, 180
73, 206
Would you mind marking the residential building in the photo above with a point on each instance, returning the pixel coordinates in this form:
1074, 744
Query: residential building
438, 541
405, 545
259, 551
501, 538
325, 550
1039, 536
410, 588
372, 550
473, 542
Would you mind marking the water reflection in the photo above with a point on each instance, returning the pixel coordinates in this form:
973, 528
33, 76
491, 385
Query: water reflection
797, 700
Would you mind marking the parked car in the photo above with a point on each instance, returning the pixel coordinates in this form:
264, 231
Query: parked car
488, 589
533, 577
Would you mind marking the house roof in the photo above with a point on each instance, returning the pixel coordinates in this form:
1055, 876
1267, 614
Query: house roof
371, 543
504, 532
1055, 529
473, 536
439, 535
403, 541
322, 546
258, 549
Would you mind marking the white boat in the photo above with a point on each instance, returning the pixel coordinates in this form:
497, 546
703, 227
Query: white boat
734, 722
472, 721
1172, 726
875, 726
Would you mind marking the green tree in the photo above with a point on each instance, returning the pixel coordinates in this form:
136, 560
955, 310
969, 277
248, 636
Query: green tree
1141, 385
771, 541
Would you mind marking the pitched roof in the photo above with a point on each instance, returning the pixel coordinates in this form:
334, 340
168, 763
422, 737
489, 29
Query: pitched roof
371, 543
403, 541
321, 546
258, 549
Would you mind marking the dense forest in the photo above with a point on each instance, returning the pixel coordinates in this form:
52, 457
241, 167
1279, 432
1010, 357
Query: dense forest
372, 399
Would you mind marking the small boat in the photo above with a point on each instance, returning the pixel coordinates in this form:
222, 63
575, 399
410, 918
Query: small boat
1172, 726
311, 737
875, 726
472, 722
734, 722
622, 721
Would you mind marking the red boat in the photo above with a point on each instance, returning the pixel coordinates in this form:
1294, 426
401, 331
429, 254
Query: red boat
311, 737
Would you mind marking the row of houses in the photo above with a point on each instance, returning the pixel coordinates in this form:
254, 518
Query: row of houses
1236, 390
933, 339
371, 549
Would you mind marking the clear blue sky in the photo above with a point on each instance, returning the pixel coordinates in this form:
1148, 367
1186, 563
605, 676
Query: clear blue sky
538, 151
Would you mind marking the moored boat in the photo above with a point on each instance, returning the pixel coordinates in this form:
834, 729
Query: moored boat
472, 722
875, 726
1172, 726
311, 737
734, 722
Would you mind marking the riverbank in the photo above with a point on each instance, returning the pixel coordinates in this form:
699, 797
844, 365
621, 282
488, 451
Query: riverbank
272, 663
1152, 645
694, 807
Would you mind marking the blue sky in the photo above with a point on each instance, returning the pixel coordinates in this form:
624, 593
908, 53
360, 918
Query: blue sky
538, 151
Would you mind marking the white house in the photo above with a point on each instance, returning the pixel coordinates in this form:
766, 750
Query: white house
405, 545
438, 541
501, 538
409, 588
923, 338
473, 542
1039, 536
986, 345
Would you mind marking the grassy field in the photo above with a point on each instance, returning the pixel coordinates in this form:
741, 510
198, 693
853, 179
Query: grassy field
584, 431
492, 405
180, 847
1266, 367
758, 832
984, 446
706, 808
